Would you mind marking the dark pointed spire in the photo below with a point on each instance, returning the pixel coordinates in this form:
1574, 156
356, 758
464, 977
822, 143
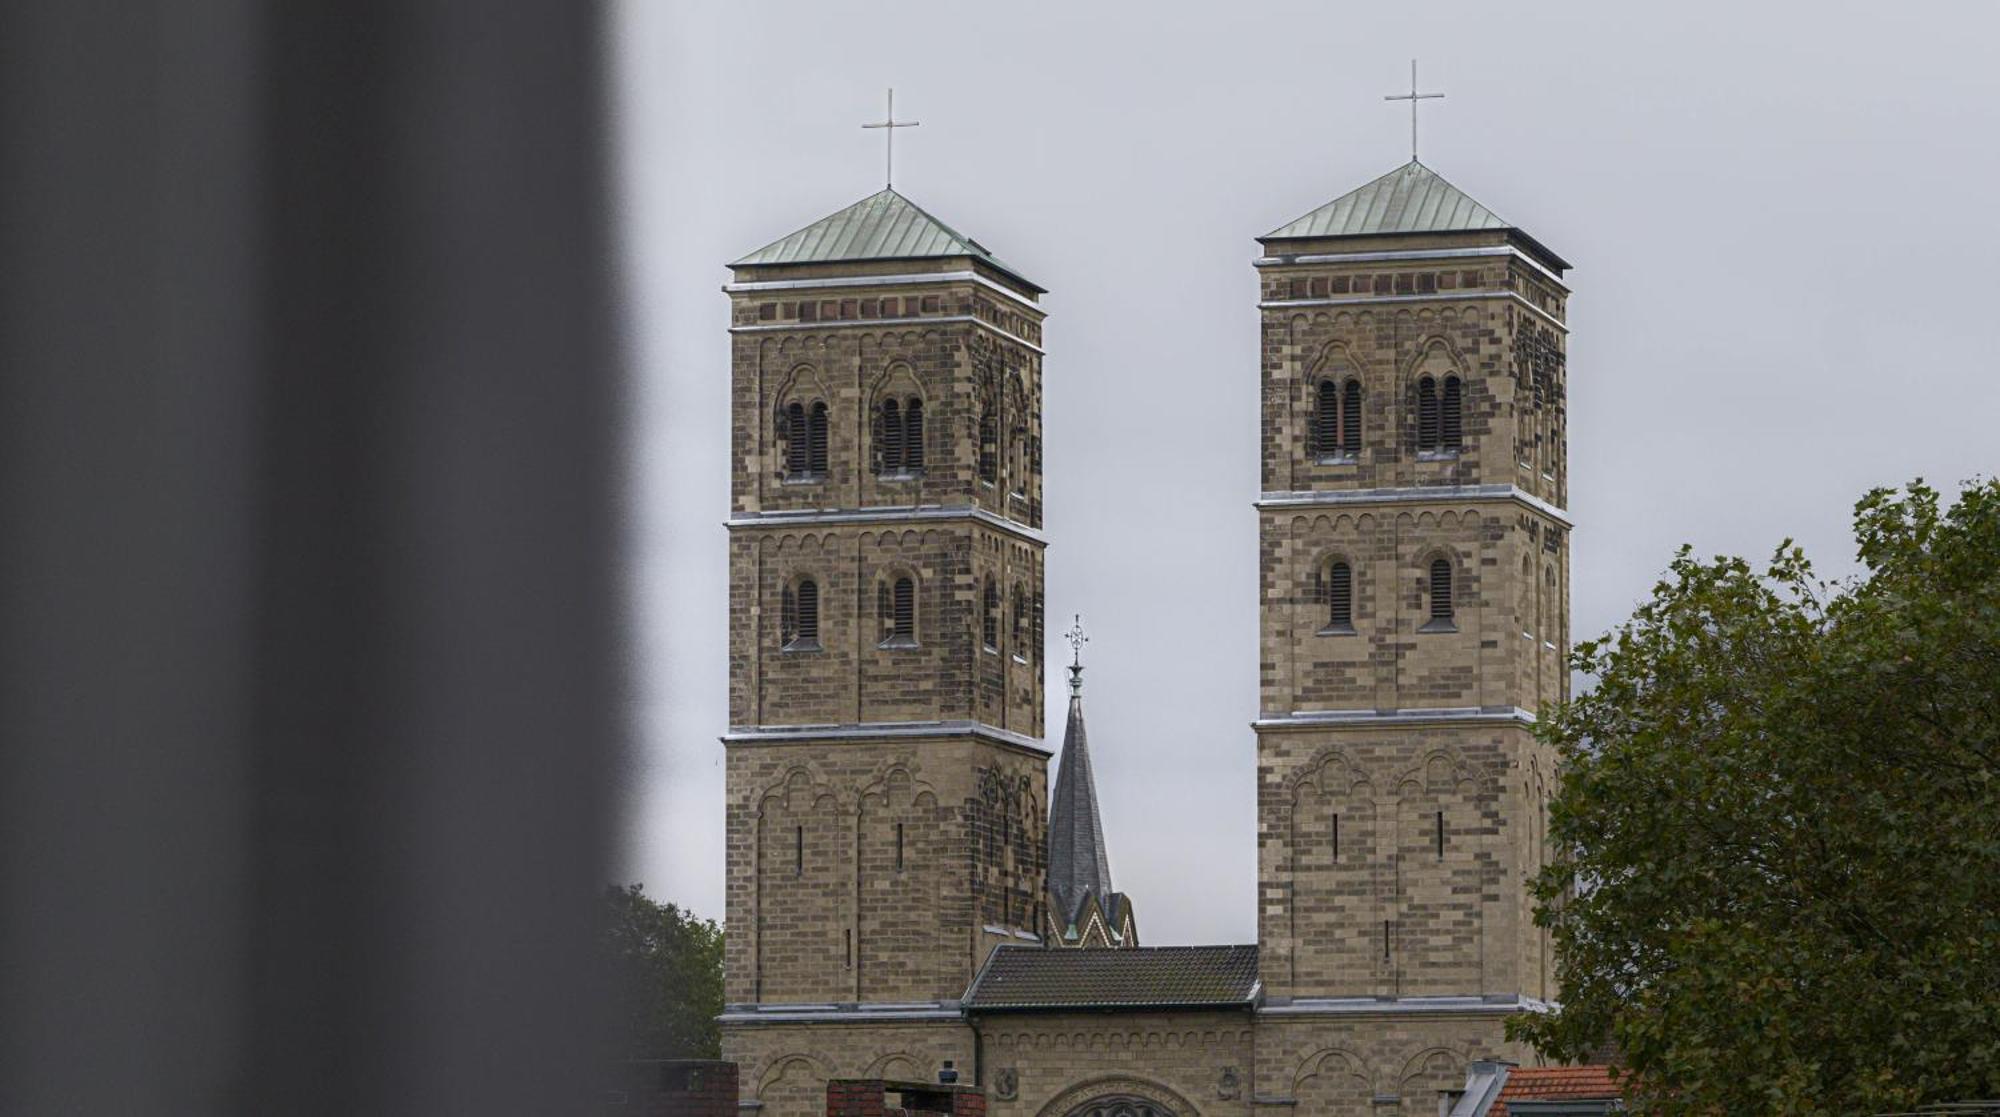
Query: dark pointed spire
1078, 866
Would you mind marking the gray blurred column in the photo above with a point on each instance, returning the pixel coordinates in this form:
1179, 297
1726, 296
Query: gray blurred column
309, 647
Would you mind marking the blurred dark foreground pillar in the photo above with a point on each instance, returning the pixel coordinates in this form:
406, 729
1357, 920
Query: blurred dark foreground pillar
309, 641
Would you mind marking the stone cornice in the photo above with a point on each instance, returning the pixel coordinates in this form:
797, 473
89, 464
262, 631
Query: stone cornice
753, 735
1442, 296
1446, 715
830, 517
871, 323
1413, 494
909, 279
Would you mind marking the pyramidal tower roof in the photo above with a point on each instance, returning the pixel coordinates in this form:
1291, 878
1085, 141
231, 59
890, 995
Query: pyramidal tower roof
1078, 866
1410, 199
883, 226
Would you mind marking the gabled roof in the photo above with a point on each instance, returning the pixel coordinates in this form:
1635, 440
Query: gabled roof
882, 226
1557, 1084
1410, 199
1019, 978
1078, 865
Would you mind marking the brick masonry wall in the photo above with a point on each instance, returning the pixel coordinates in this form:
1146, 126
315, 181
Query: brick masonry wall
786, 1067
1339, 1066
1191, 1063
818, 910
1370, 904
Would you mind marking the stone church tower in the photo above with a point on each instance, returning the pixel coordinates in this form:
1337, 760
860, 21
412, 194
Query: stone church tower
1414, 585
886, 772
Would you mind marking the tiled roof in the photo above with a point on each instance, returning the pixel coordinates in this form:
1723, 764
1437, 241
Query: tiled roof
883, 226
1585, 1083
1025, 977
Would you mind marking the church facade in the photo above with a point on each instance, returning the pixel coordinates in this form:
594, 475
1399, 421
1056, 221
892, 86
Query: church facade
904, 901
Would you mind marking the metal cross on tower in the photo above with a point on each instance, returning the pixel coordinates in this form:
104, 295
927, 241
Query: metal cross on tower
1413, 97
1076, 640
889, 124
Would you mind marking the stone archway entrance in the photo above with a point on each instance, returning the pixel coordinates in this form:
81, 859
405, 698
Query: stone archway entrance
1121, 1105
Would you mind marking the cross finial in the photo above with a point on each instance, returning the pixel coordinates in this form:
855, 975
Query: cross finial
1413, 97
1077, 640
889, 124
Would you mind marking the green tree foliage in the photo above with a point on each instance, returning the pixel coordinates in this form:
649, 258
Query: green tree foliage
665, 969
1778, 881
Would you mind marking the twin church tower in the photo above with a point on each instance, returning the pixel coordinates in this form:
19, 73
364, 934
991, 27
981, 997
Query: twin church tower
895, 901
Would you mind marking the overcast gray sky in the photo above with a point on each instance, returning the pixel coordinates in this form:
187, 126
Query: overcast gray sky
1787, 244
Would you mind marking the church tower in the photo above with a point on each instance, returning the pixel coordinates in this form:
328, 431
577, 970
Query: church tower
1414, 565
885, 767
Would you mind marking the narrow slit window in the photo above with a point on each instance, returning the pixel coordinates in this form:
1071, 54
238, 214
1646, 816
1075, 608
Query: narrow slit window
1350, 419
1452, 421
889, 437
1326, 421
849, 934
1427, 414
792, 435
1340, 597
903, 611
806, 624
1385, 940
816, 436
899, 847
1336, 835
1441, 609
1440, 835
989, 447
1020, 619
913, 435
798, 851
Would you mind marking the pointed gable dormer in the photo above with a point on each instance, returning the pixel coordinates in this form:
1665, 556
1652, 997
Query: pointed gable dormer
1084, 910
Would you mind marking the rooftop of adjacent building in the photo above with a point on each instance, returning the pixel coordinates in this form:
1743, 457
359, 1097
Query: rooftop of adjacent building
1026, 978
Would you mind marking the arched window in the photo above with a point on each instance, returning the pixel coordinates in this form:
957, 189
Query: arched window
1336, 421
816, 437
913, 435
889, 437
1441, 616
1452, 422
1325, 432
1427, 415
798, 616
1350, 419
792, 439
1339, 597
989, 629
896, 601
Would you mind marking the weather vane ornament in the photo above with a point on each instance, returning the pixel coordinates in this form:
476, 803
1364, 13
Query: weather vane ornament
1413, 97
889, 124
1077, 640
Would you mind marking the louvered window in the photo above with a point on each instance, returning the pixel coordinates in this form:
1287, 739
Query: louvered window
816, 434
799, 615
902, 616
989, 447
1427, 415
989, 629
1452, 422
913, 436
1441, 610
1340, 597
792, 437
1350, 419
889, 437
1020, 619
1325, 433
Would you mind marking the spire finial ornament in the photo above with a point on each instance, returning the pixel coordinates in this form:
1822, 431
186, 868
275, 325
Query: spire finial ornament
1413, 97
889, 124
1077, 640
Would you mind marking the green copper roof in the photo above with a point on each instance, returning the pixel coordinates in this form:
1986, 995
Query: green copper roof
1410, 199
883, 226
